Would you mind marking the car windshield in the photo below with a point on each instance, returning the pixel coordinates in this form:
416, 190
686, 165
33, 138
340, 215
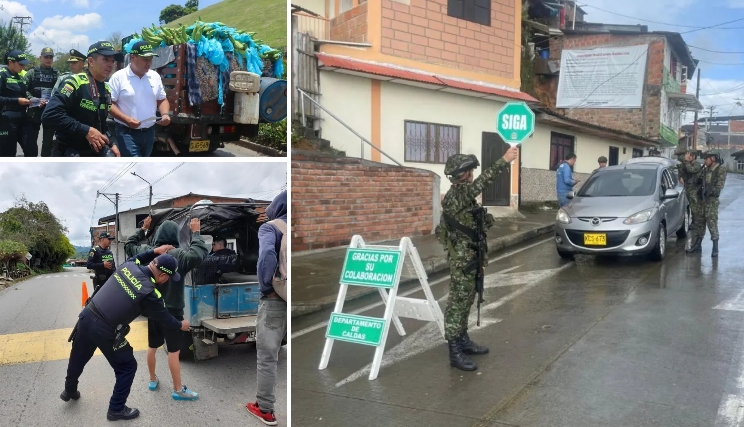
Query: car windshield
620, 183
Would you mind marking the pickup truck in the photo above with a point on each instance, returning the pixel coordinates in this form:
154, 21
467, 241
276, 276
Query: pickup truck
221, 295
205, 128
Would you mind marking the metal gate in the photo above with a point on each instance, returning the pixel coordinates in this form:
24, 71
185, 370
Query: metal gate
305, 74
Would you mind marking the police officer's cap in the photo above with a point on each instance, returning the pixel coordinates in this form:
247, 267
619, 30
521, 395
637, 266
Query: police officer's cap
143, 49
47, 51
106, 49
18, 56
105, 235
168, 265
76, 56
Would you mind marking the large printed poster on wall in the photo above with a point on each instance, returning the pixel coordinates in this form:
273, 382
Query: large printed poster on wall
602, 77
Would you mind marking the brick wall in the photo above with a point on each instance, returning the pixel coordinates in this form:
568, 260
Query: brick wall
335, 198
633, 120
351, 26
736, 126
423, 31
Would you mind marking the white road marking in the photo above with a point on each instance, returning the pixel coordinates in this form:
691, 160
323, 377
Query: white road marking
429, 336
321, 325
732, 304
731, 408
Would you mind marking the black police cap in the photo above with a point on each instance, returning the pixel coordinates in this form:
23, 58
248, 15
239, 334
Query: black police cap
106, 49
76, 56
18, 56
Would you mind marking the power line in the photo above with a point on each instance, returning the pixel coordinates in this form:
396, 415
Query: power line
714, 51
658, 22
21, 20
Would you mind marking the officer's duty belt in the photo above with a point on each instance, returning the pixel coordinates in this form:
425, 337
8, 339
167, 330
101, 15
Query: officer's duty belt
95, 311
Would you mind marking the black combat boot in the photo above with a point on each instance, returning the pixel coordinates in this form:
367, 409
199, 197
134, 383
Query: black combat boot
125, 414
715, 249
469, 347
457, 358
66, 396
696, 245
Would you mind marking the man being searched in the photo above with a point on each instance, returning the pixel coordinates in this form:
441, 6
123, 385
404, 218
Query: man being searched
104, 323
712, 181
14, 103
78, 111
137, 93
41, 80
457, 232
158, 334
76, 62
101, 260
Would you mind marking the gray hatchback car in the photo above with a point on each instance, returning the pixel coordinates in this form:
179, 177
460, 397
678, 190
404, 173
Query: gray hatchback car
628, 209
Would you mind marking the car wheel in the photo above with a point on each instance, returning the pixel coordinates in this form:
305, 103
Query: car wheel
682, 232
660, 249
565, 255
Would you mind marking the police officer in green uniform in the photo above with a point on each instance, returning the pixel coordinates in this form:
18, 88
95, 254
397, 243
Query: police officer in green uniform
40, 81
78, 111
104, 322
101, 260
14, 103
455, 232
76, 62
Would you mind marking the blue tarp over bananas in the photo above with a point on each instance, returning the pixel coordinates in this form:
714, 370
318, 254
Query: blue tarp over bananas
213, 39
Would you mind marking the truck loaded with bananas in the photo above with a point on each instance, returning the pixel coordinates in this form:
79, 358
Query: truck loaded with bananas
221, 83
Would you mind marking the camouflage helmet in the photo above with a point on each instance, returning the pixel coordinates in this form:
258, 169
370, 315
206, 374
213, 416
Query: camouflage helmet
459, 163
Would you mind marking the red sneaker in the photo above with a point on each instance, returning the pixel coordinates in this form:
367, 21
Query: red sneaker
267, 418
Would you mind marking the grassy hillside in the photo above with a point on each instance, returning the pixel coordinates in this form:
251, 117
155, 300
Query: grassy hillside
267, 18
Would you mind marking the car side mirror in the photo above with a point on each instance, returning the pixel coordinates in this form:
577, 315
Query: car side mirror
670, 194
570, 195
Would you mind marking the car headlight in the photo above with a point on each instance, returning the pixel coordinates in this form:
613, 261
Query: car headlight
640, 217
563, 217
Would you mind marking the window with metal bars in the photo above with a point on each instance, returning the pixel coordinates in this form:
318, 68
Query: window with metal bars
430, 142
478, 11
560, 146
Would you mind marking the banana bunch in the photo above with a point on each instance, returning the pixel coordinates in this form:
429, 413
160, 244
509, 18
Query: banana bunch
150, 37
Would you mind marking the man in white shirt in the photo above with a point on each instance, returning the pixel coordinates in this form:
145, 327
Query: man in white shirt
136, 94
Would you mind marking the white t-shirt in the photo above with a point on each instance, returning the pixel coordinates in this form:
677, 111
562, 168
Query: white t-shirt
137, 97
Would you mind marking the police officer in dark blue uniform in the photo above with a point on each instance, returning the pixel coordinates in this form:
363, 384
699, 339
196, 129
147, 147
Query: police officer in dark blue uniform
14, 104
101, 260
104, 323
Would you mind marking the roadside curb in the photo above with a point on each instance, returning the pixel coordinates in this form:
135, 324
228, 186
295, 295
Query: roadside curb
431, 266
259, 148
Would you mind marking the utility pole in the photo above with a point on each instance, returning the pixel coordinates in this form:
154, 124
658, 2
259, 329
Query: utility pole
21, 20
116, 219
695, 128
143, 179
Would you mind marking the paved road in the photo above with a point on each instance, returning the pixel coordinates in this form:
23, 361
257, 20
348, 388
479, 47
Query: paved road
230, 150
36, 317
591, 342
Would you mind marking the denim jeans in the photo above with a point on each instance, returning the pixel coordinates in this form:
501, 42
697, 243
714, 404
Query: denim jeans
271, 327
135, 142
563, 200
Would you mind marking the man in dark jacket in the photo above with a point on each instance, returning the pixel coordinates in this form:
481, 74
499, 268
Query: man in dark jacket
271, 324
188, 259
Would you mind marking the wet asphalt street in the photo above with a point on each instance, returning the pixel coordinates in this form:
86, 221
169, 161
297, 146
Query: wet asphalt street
584, 343
36, 318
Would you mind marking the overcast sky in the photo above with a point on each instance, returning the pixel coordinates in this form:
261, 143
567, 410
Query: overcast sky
70, 188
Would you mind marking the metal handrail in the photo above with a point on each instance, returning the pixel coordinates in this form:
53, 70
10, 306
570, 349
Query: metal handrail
304, 124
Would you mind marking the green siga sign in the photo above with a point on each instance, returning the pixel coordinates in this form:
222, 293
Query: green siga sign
356, 329
370, 267
515, 122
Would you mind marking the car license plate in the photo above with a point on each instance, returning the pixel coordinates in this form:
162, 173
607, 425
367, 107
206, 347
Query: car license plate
199, 145
595, 239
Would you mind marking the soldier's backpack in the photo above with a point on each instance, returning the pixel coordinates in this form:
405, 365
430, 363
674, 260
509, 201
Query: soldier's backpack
280, 275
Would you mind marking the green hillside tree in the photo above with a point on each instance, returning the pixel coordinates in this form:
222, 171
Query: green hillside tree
171, 13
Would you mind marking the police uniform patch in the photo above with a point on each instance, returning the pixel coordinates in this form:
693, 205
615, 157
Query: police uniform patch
67, 90
92, 253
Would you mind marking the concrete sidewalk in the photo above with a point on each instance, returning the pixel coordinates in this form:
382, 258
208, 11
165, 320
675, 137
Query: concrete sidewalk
315, 275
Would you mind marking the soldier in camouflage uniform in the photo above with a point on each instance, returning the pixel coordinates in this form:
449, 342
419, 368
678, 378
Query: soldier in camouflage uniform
712, 181
457, 205
689, 172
